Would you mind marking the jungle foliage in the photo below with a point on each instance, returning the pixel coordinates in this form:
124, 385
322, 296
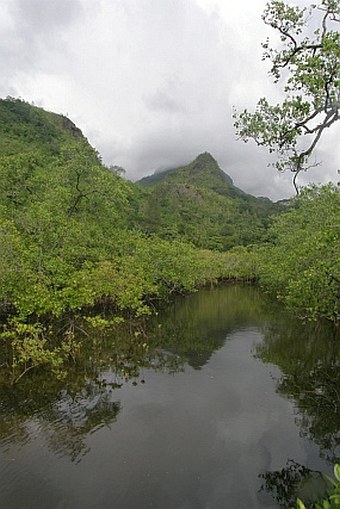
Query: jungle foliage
71, 236
74, 235
300, 265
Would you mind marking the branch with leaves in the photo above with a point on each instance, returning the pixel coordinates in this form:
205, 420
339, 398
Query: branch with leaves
308, 63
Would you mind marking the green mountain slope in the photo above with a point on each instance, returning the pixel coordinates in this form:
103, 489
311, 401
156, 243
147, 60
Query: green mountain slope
46, 159
70, 238
24, 128
72, 232
203, 170
200, 203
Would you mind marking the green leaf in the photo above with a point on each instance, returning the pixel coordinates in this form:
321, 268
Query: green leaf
337, 471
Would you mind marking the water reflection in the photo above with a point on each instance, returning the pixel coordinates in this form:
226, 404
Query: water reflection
61, 418
309, 357
295, 481
64, 413
196, 326
202, 436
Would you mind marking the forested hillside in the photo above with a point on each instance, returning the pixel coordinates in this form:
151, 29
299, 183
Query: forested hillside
72, 235
200, 203
25, 128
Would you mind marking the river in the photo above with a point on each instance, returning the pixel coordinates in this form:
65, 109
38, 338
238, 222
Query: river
225, 402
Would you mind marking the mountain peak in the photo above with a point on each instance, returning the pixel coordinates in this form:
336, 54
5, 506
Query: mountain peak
206, 167
204, 170
204, 162
206, 158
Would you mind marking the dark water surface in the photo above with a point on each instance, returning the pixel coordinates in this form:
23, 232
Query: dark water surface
223, 392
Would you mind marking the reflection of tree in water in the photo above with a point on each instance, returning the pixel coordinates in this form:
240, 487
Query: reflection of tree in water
319, 405
62, 419
71, 419
309, 358
292, 481
196, 326
64, 413
188, 331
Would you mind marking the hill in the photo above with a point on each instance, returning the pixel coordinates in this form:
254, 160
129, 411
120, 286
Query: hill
71, 237
24, 127
200, 203
71, 231
45, 158
203, 170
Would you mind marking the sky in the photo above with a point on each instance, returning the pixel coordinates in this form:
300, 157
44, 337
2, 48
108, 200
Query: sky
152, 83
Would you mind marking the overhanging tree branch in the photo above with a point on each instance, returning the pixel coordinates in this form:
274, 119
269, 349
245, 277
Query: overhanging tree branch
311, 62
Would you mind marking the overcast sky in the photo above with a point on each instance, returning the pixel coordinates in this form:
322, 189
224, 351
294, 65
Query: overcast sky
151, 83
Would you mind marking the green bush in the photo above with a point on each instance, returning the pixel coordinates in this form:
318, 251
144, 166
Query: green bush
301, 265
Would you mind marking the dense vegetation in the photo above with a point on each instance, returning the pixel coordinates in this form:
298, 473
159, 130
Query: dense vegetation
71, 237
74, 235
301, 263
301, 267
199, 203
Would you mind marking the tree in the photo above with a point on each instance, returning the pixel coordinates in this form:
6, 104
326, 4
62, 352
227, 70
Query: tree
301, 266
308, 63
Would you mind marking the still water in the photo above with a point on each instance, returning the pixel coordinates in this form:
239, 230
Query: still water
223, 395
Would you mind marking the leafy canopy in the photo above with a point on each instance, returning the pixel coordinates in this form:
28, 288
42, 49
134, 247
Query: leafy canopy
71, 236
301, 266
308, 65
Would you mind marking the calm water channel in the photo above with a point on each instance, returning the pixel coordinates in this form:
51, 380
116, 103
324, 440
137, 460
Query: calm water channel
226, 394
